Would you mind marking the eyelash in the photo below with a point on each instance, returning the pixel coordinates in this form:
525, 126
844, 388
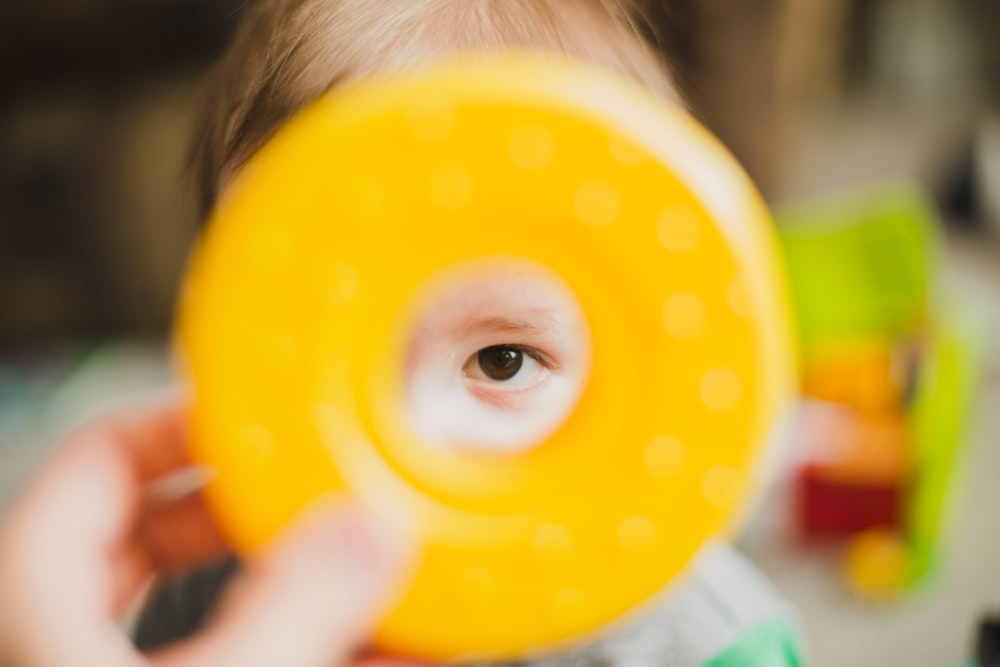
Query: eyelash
534, 353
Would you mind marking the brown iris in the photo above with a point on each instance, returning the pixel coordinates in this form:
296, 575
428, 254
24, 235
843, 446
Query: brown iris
500, 362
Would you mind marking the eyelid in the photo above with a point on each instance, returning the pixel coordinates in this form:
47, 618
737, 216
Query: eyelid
504, 397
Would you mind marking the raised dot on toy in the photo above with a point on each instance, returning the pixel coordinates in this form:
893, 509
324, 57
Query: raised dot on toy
516, 303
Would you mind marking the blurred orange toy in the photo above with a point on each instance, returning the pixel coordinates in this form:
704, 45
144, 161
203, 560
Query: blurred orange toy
866, 374
301, 305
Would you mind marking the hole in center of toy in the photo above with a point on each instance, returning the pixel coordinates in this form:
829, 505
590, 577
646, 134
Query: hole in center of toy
497, 358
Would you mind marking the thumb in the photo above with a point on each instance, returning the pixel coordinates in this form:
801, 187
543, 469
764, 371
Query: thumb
309, 600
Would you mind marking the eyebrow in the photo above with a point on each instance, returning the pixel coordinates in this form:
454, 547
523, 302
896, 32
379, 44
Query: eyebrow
525, 324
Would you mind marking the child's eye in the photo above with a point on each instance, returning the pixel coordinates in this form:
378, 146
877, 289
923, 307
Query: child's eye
510, 364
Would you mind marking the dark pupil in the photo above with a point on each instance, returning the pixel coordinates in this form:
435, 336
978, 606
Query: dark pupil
500, 362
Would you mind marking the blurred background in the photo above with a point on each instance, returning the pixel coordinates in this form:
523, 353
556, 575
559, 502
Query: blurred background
815, 97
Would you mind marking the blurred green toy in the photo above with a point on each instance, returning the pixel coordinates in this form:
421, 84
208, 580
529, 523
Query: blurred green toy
880, 338
861, 266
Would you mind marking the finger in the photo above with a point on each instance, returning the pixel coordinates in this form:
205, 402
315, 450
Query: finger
378, 661
147, 448
170, 538
152, 457
149, 437
308, 601
67, 547
107, 462
181, 534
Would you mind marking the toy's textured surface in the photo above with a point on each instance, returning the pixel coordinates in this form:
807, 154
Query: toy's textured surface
293, 326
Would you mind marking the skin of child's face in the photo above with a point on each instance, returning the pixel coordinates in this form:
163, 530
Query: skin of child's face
497, 359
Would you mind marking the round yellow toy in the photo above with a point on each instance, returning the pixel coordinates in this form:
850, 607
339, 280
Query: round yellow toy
511, 180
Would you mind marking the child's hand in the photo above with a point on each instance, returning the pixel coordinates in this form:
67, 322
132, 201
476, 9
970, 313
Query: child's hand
84, 537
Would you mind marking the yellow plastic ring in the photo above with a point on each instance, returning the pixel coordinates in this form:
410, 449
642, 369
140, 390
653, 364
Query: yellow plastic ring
291, 324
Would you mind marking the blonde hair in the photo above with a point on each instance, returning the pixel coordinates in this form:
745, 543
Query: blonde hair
286, 53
